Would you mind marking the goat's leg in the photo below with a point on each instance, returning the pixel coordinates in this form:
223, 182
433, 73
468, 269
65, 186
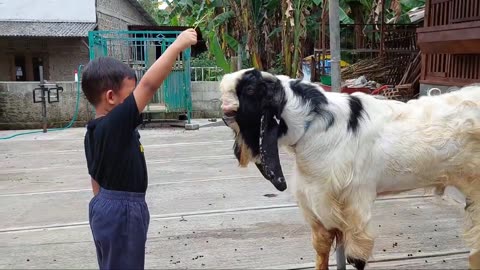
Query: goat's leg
322, 239
472, 210
322, 242
358, 239
474, 259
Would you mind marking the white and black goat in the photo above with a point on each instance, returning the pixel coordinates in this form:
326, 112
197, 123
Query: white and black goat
349, 149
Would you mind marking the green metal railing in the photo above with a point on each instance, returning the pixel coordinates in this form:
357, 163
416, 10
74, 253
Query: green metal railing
139, 50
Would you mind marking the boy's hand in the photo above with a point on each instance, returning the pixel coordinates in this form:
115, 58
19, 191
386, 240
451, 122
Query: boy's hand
186, 39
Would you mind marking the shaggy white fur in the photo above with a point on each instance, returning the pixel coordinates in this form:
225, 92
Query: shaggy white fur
429, 142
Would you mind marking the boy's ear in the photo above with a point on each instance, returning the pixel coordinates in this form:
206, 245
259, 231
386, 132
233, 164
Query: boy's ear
110, 97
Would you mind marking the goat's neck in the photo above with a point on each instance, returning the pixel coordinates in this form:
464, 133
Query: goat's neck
301, 121
297, 119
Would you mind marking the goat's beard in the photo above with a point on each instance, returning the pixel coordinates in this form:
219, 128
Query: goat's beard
242, 152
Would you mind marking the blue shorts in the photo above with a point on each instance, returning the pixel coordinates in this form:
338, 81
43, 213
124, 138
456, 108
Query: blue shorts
119, 221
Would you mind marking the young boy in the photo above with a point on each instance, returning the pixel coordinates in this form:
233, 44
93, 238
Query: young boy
118, 214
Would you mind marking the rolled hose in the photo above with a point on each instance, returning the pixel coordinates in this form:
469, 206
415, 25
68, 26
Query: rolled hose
69, 125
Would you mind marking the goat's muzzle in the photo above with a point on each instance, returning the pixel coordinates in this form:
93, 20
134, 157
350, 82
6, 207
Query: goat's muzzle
229, 117
228, 120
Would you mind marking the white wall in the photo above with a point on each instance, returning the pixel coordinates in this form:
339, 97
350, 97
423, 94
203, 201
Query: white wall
48, 10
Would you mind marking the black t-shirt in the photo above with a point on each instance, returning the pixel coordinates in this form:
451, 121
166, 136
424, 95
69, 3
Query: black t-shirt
115, 157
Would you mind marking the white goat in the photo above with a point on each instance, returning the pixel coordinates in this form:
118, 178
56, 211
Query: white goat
349, 149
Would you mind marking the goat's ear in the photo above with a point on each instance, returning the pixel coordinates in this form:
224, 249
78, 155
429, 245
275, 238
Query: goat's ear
270, 166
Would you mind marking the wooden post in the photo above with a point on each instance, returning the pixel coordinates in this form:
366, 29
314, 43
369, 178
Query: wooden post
382, 30
234, 63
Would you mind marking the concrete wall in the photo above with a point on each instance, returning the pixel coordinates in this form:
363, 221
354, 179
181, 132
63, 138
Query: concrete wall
61, 55
206, 100
117, 15
17, 110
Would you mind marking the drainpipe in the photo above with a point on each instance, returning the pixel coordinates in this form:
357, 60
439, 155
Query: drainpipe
334, 18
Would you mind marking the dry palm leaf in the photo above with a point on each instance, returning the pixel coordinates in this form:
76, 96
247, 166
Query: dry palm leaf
397, 8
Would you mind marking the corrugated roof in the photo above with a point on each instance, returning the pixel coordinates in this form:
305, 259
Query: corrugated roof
45, 29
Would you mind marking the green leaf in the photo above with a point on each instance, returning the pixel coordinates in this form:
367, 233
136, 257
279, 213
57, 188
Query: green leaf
274, 5
216, 49
344, 17
275, 31
409, 4
231, 41
202, 6
174, 21
224, 17
189, 3
317, 2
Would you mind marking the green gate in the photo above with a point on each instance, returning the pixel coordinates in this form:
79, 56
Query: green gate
139, 50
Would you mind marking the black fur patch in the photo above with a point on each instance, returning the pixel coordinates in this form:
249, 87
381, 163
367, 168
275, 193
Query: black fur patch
357, 263
310, 93
283, 129
356, 113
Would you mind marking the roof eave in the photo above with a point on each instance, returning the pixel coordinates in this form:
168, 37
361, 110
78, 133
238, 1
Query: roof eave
142, 11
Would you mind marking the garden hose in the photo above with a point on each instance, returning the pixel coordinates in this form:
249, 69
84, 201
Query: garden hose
69, 125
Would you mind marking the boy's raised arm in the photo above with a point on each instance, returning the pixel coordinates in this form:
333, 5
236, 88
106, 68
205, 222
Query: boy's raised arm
159, 71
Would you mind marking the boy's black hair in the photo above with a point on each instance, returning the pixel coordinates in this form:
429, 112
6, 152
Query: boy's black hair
102, 74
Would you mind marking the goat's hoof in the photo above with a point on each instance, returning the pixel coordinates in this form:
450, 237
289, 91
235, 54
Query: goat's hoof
357, 263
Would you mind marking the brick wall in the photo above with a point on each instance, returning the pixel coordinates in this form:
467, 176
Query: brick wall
117, 15
61, 55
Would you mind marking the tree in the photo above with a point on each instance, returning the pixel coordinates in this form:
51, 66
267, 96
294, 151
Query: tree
274, 34
151, 6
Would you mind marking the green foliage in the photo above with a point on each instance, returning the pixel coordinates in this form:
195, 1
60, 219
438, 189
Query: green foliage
217, 50
410, 4
262, 27
344, 18
151, 6
203, 60
202, 15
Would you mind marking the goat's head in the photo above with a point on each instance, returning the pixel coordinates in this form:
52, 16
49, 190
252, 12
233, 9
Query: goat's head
252, 102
